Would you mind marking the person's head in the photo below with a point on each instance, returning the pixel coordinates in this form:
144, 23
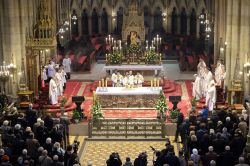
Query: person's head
48, 141
212, 163
2, 152
17, 127
193, 138
131, 72
192, 133
40, 149
127, 159
66, 56
228, 119
55, 158
24, 152
227, 148
211, 131
57, 145
210, 148
5, 158
6, 123
224, 130
241, 160
44, 152
69, 148
195, 151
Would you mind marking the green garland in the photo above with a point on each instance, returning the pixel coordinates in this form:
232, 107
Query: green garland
152, 57
96, 111
134, 49
161, 104
114, 58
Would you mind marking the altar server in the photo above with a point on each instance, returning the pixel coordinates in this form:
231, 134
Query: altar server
131, 78
114, 78
139, 79
67, 66
53, 91
44, 76
197, 87
59, 82
220, 74
125, 80
211, 96
208, 78
51, 70
63, 75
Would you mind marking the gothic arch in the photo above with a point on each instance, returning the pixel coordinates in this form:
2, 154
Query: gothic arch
95, 23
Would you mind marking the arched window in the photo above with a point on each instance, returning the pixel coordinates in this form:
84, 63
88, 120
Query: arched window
174, 21
119, 20
94, 22
104, 21
146, 17
85, 23
183, 21
193, 22
74, 24
158, 20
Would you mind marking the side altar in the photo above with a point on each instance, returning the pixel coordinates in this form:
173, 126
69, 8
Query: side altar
123, 98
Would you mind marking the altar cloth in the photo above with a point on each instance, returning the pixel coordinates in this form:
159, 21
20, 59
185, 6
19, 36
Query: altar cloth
128, 91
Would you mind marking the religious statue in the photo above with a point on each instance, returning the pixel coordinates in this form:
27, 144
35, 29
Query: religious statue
133, 38
220, 74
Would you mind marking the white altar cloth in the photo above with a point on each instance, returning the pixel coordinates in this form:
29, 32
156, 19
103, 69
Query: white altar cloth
155, 68
127, 91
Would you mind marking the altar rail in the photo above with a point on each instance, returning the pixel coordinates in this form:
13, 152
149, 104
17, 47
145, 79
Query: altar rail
136, 128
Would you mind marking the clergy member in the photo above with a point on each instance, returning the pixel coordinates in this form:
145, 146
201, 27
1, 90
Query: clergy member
131, 79
211, 96
53, 91
219, 74
59, 82
197, 87
44, 76
139, 79
64, 76
125, 80
119, 79
207, 78
201, 67
67, 65
114, 78
51, 70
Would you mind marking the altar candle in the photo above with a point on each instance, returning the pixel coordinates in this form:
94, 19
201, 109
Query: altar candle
106, 83
112, 40
160, 57
158, 83
154, 82
94, 96
151, 83
100, 84
106, 40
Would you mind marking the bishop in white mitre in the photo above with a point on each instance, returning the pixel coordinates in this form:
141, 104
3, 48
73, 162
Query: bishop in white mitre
211, 96
219, 74
53, 91
139, 79
197, 87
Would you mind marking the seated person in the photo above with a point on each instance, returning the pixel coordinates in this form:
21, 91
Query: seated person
139, 79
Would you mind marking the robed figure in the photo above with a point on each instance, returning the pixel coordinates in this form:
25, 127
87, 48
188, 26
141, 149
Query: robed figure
211, 96
220, 74
197, 87
53, 91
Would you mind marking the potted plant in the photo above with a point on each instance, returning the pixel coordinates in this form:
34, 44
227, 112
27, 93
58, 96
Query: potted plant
76, 116
62, 105
173, 115
96, 111
193, 103
161, 106
114, 58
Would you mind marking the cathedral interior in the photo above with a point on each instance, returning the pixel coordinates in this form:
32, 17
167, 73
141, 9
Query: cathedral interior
91, 32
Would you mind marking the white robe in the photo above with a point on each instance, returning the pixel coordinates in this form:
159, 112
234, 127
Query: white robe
44, 75
208, 77
131, 80
139, 80
211, 98
63, 75
197, 88
201, 68
114, 79
51, 70
53, 92
67, 65
59, 83
125, 81
219, 74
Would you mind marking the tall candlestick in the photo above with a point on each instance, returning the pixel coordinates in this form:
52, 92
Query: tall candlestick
100, 84
106, 83
154, 82
158, 83
151, 83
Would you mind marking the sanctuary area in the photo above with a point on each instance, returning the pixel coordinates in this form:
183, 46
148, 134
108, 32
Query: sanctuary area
125, 82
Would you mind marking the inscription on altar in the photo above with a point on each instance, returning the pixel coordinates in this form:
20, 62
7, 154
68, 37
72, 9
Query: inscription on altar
153, 128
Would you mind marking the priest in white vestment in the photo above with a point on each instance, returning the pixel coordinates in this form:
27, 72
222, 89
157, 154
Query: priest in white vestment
207, 78
197, 87
59, 82
211, 96
139, 79
125, 80
44, 76
53, 91
201, 67
67, 65
119, 79
219, 74
131, 79
63, 75
114, 78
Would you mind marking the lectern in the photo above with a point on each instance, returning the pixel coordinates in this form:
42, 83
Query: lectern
175, 100
78, 101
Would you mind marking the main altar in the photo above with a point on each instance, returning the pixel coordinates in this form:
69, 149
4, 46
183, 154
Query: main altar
124, 98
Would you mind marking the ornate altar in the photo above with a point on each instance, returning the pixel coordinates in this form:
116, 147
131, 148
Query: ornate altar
133, 22
123, 98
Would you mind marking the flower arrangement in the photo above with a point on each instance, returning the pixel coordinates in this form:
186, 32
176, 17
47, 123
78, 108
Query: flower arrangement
96, 111
63, 101
114, 58
152, 57
193, 101
76, 115
173, 114
134, 49
161, 105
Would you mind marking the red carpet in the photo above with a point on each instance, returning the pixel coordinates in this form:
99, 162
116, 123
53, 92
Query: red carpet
170, 88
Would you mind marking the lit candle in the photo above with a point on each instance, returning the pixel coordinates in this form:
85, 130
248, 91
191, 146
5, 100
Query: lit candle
106, 83
112, 41
151, 83
158, 83
160, 57
100, 84
154, 82
106, 40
